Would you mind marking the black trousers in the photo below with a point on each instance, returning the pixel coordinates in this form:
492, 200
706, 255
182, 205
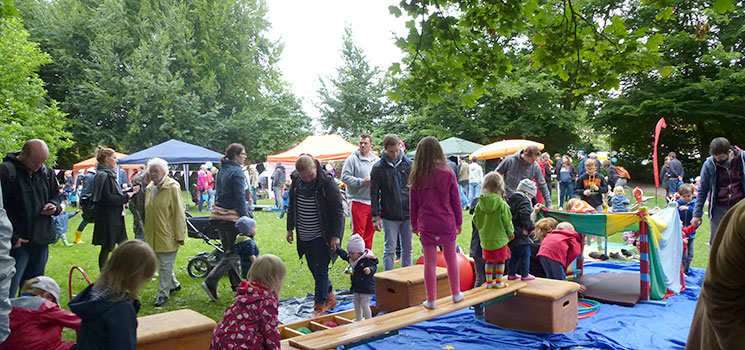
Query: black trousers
230, 261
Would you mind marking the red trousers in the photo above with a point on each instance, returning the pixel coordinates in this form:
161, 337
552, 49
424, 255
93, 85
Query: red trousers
362, 222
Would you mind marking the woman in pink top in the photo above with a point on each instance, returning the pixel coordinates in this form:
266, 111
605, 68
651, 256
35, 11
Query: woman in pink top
436, 215
201, 185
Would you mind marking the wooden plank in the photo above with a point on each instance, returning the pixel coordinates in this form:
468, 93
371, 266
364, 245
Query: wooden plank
335, 337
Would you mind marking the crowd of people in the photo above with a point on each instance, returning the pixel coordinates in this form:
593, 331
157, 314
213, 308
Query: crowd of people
425, 197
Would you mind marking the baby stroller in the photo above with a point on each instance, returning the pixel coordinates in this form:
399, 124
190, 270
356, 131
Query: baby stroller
201, 264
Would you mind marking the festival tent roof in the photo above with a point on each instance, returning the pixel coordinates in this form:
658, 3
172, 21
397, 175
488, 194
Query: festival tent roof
503, 148
454, 146
323, 147
91, 162
174, 152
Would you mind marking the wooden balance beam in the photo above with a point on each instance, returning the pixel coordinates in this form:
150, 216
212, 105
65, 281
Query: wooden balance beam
338, 336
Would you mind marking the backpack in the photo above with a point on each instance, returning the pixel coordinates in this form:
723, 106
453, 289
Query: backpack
87, 207
623, 173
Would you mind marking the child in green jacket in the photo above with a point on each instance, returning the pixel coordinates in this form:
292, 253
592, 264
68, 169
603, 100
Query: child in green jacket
494, 221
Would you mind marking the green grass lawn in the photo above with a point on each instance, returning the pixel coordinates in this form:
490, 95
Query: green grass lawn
270, 239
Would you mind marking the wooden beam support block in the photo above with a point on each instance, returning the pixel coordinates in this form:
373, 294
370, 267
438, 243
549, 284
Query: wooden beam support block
181, 329
335, 337
401, 288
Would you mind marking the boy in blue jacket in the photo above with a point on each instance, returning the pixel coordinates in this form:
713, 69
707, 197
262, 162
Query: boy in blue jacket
61, 222
686, 204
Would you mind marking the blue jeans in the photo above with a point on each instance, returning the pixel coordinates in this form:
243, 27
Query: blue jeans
688, 256
567, 191
519, 263
200, 199
318, 259
673, 186
31, 261
395, 230
474, 188
253, 194
464, 196
211, 198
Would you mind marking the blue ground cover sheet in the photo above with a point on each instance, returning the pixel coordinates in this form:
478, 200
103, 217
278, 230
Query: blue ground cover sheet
644, 326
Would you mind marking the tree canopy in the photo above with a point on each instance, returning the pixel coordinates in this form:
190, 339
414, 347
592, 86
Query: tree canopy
25, 110
131, 74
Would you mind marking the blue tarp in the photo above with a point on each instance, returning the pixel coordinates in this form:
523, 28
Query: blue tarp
174, 152
644, 326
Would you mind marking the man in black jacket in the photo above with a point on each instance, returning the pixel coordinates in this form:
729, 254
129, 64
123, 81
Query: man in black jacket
31, 197
676, 173
389, 195
316, 212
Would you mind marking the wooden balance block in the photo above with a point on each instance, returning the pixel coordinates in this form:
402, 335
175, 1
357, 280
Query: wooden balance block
401, 288
545, 305
181, 329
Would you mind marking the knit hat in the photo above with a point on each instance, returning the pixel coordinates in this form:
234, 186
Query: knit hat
527, 186
245, 224
48, 285
356, 244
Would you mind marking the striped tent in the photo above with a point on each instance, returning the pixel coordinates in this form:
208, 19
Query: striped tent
654, 280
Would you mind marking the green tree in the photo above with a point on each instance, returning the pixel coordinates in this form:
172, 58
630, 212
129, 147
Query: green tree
25, 111
700, 94
460, 45
354, 101
133, 73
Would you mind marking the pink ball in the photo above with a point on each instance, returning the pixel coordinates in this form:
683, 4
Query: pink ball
330, 324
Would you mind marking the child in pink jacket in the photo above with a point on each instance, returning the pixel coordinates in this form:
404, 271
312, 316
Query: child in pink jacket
436, 215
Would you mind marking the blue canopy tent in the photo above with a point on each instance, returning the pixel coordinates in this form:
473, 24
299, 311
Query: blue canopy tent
174, 152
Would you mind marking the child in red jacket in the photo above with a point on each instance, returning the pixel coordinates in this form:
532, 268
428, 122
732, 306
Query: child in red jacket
559, 249
36, 320
252, 322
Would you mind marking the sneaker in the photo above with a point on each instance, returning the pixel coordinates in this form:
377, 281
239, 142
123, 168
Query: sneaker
529, 277
174, 290
617, 256
458, 297
626, 252
160, 301
211, 292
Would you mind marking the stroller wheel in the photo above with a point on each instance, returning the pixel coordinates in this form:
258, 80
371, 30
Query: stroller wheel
199, 267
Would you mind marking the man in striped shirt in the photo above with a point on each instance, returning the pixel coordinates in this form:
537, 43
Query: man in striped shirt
317, 214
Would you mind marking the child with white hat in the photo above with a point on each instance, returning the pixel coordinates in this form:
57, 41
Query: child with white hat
363, 264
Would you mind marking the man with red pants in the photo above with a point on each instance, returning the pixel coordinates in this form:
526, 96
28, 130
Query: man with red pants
356, 174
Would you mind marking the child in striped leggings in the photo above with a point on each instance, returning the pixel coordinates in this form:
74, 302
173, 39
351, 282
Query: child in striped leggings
494, 221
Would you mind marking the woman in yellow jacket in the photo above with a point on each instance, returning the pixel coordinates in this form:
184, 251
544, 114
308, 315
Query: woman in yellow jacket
165, 224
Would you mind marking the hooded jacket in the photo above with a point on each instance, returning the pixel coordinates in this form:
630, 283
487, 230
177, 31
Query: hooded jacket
36, 323
279, 176
514, 169
562, 246
25, 197
521, 207
389, 189
105, 324
165, 221
231, 187
436, 210
252, 321
494, 221
356, 169
328, 203
707, 189
362, 283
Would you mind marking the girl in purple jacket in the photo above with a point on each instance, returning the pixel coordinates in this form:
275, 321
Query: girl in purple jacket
436, 215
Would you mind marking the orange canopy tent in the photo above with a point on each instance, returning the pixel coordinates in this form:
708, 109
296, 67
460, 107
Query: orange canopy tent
323, 147
502, 148
91, 163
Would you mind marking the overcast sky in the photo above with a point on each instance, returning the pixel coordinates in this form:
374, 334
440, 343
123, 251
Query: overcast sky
312, 34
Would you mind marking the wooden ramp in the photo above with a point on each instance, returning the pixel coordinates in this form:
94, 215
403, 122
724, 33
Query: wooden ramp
335, 337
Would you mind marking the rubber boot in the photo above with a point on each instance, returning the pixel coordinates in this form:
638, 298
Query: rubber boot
78, 236
64, 240
319, 309
330, 301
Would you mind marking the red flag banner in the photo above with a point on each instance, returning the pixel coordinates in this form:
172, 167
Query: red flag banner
660, 124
